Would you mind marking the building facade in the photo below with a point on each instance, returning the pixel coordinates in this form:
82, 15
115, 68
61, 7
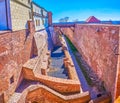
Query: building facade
14, 14
40, 17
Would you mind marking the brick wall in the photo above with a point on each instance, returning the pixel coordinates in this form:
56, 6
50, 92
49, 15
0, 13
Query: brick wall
50, 18
20, 14
15, 50
98, 45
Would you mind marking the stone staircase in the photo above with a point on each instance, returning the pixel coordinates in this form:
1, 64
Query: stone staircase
57, 68
28, 86
19, 91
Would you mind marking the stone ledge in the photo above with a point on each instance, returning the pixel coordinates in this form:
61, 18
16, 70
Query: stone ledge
63, 86
68, 62
5, 31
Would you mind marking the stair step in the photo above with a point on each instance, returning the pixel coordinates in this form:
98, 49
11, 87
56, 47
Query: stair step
57, 64
59, 76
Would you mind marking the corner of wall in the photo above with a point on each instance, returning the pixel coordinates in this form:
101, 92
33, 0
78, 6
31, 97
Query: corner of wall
116, 88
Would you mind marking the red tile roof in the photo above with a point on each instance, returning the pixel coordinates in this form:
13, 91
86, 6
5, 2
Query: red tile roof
92, 19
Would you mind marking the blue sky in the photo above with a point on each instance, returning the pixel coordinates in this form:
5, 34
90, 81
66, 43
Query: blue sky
82, 9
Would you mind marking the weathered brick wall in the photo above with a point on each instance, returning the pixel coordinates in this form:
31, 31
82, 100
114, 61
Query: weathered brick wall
20, 14
98, 45
15, 50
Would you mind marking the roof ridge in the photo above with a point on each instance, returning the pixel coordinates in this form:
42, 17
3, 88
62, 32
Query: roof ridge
92, 19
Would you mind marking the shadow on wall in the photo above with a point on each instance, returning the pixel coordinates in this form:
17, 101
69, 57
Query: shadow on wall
27, 34
34, 51
26, 25
50, 38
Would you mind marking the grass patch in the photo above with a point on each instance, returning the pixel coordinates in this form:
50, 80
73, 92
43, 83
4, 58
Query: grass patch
89, 81
74, 50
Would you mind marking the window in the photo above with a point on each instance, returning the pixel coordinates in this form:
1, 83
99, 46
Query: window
3, 15
42, 21
12, 80
30, 15
36, 22
39, 22
5, 20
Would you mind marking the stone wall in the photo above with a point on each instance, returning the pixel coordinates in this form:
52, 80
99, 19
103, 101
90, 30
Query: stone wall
15, 50
20, 14
98, 45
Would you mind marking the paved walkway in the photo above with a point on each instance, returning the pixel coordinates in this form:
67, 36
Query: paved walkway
57, 68
81, 77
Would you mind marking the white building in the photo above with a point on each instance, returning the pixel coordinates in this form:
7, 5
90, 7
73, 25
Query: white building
40, 17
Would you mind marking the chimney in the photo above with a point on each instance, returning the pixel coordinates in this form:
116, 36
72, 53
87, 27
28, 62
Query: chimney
50, 18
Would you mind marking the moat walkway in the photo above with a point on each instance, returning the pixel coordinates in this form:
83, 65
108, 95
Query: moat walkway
84, 84
57, 68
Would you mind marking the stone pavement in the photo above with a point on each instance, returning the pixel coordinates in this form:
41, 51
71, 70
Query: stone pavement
57, 68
